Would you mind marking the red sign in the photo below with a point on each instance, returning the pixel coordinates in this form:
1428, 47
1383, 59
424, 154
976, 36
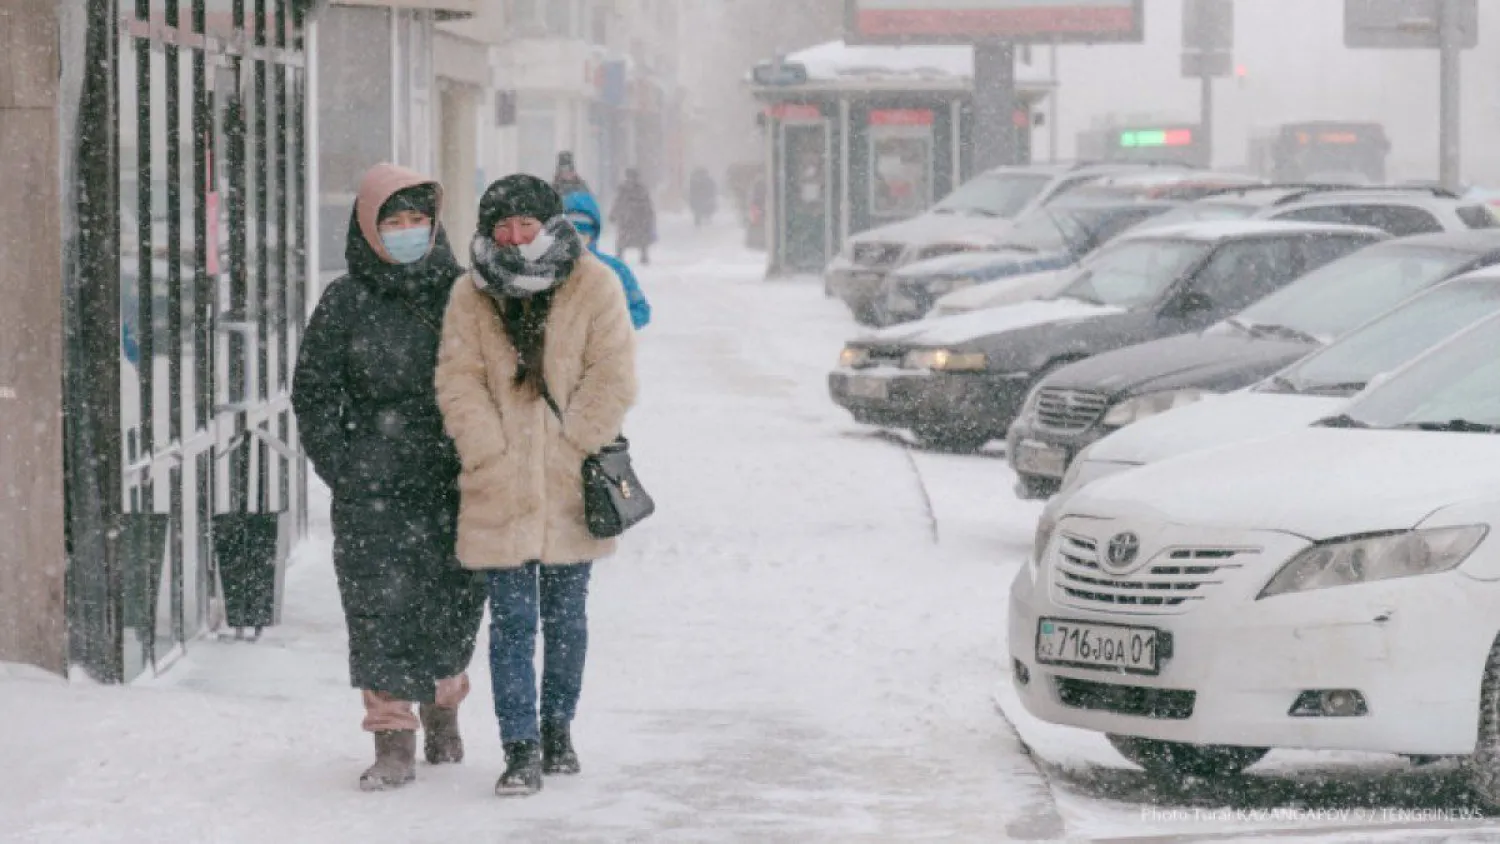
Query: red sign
901, 117
968, 21
794, 112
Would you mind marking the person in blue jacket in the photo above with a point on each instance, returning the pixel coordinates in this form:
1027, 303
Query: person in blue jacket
583, 211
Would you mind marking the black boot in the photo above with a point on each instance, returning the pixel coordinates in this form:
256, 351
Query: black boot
395, 761
558, 755
523, 770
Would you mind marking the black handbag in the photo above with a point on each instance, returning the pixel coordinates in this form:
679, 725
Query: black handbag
613, 499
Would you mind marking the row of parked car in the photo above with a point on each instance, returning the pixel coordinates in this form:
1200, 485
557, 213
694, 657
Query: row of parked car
1268, 439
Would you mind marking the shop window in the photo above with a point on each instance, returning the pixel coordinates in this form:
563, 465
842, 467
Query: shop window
901, 148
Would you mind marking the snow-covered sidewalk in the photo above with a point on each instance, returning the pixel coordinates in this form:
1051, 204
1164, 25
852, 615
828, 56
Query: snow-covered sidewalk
802, 645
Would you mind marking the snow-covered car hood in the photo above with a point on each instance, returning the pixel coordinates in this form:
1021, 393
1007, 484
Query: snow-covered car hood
1006, 291
929, 227
952, 330
1318, 483
1212, 422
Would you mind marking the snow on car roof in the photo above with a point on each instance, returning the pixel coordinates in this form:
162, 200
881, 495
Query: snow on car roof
838, 61
1230, 229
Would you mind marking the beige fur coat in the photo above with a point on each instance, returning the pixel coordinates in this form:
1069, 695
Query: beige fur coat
522, 481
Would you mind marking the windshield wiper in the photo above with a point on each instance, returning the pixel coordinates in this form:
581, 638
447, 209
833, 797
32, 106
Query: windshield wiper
1284, 331
1460, 426
1018, 247
1247, 327
1338, 388
1343, 420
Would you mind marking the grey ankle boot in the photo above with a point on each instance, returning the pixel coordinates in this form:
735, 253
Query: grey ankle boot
440, 739
395, 761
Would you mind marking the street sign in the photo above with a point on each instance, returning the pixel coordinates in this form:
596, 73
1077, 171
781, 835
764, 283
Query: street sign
1196, 65
1208, 26
1407, 24
1012, 21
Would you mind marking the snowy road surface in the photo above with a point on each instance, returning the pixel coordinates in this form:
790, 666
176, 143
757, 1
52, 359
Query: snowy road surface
795, 648
804, 645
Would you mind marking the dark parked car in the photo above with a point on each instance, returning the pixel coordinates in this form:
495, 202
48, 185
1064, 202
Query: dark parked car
959, 381
985, 206
1046, 239
1083, 402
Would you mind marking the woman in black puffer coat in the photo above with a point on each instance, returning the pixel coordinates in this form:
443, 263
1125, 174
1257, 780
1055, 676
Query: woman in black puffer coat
369, 421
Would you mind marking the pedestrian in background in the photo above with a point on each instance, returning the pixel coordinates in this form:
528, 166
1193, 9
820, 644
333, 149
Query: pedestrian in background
703, 196
635, 216
536, 372
583, 212
369, 420
567, 181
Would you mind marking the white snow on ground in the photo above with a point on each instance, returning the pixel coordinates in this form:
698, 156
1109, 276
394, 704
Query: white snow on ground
784, 653
804, 645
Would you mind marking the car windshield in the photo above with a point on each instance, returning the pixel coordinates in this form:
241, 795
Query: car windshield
1344, 368
994, 195
1041, 230
1134, 272
1455, 388
1335, 298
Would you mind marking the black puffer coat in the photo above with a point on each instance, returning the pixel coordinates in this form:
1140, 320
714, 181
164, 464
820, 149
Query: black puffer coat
369, 421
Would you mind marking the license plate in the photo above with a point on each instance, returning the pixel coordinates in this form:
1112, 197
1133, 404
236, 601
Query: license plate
1036, 458
868, 388
1089, 644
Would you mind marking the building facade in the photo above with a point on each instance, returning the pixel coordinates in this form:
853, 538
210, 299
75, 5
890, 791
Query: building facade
157, 251
598, 78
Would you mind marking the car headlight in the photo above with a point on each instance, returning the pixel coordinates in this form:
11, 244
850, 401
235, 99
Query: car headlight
1141, 407
1365, 559
852, 357
943, 360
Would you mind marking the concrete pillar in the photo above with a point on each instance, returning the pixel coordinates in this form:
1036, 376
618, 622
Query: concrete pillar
32, 557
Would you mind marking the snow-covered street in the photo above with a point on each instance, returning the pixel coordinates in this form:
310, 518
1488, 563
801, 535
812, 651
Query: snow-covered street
804, 644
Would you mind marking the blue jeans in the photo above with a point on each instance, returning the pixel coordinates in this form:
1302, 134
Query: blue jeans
518, 597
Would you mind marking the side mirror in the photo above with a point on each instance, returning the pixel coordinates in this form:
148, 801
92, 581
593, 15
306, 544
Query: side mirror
1189, 303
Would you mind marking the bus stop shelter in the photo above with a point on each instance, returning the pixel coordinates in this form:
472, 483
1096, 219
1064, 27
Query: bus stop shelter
860, 136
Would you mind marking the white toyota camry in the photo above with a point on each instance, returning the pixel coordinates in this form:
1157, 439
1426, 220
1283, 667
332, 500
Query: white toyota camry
1336, 587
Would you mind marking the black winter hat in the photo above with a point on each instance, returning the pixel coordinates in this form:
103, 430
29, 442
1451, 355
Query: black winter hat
519, 195
419, 198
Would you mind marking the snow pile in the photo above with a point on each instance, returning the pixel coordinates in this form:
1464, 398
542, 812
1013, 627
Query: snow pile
838, 61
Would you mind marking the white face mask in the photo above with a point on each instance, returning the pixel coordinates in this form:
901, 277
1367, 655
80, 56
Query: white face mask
537, 248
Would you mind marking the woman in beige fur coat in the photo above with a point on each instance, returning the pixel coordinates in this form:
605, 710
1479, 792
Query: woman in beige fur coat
536, 316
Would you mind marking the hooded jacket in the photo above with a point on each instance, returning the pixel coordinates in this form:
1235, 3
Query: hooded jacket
369, 421
583, 205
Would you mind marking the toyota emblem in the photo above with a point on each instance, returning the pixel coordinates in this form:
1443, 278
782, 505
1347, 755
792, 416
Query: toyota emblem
1122, 550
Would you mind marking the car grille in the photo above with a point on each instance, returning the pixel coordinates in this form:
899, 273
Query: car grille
1172, 582
877, 255
1165, 704
1068, 410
